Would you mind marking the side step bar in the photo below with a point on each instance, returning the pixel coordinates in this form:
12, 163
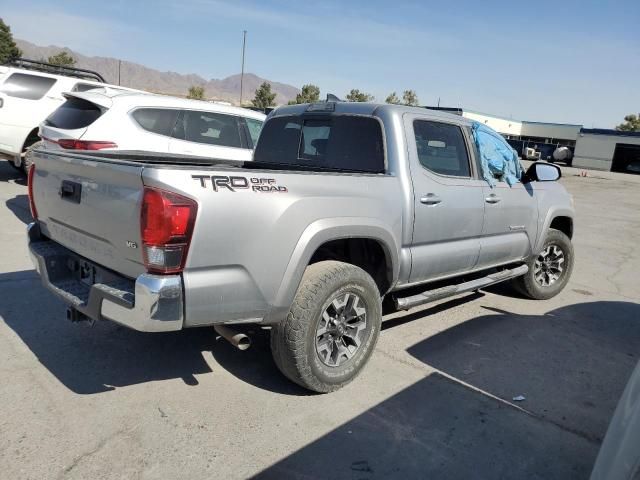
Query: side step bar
450, 290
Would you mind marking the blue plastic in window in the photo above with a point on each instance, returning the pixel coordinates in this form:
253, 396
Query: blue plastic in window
496, 156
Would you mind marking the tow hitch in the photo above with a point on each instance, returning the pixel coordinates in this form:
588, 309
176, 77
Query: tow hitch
76, 316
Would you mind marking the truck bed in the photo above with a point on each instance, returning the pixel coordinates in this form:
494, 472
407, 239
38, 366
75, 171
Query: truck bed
249, 220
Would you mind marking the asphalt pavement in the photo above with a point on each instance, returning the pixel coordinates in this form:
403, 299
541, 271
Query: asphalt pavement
435, 401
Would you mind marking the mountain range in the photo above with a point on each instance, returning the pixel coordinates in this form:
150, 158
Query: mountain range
138, 76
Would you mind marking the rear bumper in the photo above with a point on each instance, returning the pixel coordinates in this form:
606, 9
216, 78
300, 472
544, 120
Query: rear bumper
150, 303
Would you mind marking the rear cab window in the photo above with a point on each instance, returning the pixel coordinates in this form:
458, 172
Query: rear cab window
441, 148
26, 86
74, 113
332, 142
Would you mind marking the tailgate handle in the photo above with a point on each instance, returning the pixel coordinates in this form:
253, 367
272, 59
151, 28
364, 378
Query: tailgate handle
70, 191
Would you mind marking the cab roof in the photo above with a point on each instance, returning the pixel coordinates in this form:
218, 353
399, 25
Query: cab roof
365, 108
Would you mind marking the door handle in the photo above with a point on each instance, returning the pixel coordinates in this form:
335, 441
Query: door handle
431, 199
493, 198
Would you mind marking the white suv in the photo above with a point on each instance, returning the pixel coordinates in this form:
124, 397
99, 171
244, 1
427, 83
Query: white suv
107, 119
29, 92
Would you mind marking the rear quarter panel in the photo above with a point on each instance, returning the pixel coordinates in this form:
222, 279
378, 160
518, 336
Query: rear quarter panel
250, 245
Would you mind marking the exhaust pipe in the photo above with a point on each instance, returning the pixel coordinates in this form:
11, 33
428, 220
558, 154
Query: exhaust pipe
235, 338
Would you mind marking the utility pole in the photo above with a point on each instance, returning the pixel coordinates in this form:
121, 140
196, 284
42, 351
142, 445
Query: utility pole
119, 65
244, 43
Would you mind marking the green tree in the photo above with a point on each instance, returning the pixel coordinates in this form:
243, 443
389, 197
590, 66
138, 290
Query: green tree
310, 94
196, 92
631, 124
393, 99
356, 95
409, 97
9, 51
62, 59
264, 97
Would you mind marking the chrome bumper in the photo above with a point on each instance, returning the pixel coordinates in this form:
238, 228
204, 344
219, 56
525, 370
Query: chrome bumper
150, 303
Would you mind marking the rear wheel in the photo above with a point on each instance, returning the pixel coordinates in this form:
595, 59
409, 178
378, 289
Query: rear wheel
331, 329
550, 270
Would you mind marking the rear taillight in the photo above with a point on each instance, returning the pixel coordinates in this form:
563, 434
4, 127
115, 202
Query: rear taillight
166, 223
71, 144
32, 203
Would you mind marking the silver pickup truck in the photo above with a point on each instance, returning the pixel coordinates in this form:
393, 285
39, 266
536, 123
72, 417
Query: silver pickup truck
344, 206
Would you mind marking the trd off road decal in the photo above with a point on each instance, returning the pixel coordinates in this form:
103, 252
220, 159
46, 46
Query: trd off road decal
224, 182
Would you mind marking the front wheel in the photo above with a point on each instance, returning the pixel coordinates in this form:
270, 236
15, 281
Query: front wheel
550, 270
331, 329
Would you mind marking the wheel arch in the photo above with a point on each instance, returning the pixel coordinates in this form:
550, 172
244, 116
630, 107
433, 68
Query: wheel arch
559, 218
332, 239
30, 139
564, 224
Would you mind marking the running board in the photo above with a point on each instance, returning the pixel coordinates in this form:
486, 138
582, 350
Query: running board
450, 290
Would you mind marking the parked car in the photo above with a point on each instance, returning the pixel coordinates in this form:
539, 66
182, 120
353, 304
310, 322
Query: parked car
108, 119
29, 92
344, 205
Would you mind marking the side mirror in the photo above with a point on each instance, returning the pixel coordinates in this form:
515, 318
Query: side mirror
543, 172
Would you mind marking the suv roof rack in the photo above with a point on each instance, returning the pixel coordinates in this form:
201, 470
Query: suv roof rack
56, 69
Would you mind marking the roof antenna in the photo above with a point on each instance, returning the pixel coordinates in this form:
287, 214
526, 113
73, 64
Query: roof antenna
332, 98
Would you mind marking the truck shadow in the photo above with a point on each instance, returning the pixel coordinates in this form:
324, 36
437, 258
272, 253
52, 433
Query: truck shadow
19, 206
570, 364
438, 428
90, 360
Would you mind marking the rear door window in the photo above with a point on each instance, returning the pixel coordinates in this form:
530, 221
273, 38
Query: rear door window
29, 87
209, 128
336, 142
156, 120
74, 113
441, 148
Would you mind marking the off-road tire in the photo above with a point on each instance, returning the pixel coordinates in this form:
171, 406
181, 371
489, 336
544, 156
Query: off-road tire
293, 341
527, 284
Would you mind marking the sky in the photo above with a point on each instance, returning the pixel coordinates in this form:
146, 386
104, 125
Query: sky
555, 61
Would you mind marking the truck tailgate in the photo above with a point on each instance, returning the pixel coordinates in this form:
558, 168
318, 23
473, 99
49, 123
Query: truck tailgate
92, 207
